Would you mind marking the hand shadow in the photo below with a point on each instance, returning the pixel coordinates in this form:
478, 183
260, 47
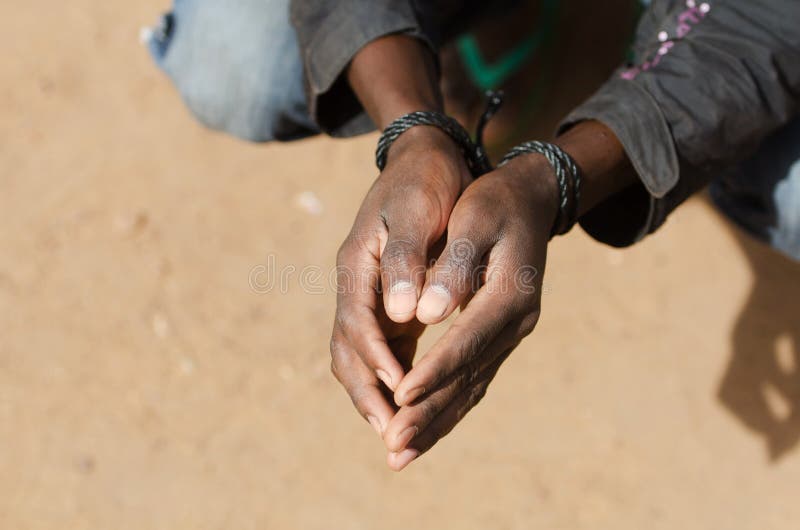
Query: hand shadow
761, 385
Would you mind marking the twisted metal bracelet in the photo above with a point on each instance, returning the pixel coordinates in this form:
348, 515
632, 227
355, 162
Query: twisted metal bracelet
567, 174
474, 152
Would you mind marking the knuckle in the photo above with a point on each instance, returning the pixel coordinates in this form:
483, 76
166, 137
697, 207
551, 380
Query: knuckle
528, 324
357, 397
338, 356
531, 296
476, 394
462, 379
472, 342
469, 373
428, 409
424, 201
358, 241
345, 251
473, 202
345, 320
473, 370
417, 205
335, 371
439, 373
398, 252
521, 303
460, 262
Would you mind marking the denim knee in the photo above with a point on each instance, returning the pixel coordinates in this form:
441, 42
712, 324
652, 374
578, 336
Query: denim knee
762, 195
237, 66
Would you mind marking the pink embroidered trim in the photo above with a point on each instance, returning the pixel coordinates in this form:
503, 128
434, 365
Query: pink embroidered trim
687, 20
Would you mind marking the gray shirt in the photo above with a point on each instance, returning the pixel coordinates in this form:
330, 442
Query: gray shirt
707, 83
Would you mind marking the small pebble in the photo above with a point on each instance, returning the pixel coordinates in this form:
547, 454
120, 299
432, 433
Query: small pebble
286, 372
128, 225
160, 326
187, 366
86, 464
309, 203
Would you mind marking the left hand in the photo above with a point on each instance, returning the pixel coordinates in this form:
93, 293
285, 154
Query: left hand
497, 238
400, 220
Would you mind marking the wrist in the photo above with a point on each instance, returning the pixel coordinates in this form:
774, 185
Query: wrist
393, 76
605, 166
420, 140
441, 154
535, 183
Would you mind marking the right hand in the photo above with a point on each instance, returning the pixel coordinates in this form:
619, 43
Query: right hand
403, 215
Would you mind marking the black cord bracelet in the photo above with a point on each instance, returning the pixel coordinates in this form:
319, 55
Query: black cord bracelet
474, 152
567, 174
566, 170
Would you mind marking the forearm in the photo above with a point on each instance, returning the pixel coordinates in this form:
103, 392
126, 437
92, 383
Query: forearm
702, 95
605, 168
393, 76
396, 75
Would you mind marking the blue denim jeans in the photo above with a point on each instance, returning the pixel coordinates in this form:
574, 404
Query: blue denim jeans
762, 195
237, 66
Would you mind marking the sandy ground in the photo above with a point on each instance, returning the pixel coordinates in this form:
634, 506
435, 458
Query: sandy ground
145, 384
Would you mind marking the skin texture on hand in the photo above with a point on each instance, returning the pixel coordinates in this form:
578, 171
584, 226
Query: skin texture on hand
381, 268
496, 241
382, 262
491, 265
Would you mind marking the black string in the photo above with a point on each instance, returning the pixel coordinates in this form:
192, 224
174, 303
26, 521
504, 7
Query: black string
566, 170
567, 174
474, 152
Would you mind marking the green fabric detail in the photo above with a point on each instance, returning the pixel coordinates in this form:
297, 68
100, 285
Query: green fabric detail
489, 76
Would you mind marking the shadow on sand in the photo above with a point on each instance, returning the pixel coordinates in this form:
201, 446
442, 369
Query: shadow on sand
761, 385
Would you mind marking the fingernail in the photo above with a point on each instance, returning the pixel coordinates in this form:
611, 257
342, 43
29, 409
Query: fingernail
375, 424
383, 376
403, 458
413, 394
402, 298
404, 437
434, 302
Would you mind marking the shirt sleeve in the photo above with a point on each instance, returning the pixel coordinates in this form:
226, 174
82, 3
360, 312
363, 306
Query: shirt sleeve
330, 32
708, 82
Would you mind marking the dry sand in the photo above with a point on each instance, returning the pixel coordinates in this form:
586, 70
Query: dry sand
144, 384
